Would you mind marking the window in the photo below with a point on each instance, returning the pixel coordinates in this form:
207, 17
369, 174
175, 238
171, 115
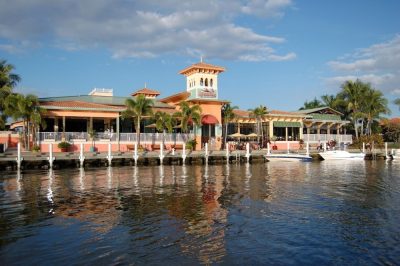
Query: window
206, 83
211, 82
201, 82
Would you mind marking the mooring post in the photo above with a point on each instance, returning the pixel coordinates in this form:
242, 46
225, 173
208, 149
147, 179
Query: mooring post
248, 152
19, 158
109, 156
268, 149
363, 147
81, 156
161, 153
51, 157
288, 147
324, 145
184, 153
307, 149
386, 150
135, 154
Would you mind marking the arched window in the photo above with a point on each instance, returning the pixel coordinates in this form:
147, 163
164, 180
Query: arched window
201, 82
211, 82
206, 83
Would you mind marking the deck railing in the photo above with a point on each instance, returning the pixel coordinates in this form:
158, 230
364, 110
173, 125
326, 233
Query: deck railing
123, 137
327, 137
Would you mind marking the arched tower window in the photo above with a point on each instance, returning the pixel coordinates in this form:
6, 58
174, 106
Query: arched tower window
201, 82
211, 82
206, 83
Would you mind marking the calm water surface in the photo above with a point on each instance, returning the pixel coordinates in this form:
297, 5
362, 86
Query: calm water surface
329, 213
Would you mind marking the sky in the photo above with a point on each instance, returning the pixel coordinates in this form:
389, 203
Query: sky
278, 53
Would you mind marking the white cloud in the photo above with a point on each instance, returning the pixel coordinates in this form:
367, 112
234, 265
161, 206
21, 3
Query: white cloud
378, 64
146, 28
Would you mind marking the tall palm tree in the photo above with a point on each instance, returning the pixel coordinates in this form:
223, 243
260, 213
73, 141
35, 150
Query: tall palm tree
354, 94
189, 114
311, 104
8, 81
138, 108
259, 114
164, 122
227, 116
25, 107
374, 105
397, 102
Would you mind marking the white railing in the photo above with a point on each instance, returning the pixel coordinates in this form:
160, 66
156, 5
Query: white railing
123, 137
327, 137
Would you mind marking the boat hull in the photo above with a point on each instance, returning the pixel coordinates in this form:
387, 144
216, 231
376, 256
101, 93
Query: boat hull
288, 157
341, 155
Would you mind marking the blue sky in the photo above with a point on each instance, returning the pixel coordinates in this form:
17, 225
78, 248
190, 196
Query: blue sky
278, 53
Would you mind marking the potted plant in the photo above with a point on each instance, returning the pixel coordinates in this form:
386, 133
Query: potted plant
274, 147
36, 148
63, 146
301, 144
191, 144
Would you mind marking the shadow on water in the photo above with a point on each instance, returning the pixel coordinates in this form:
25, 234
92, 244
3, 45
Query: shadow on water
272, 213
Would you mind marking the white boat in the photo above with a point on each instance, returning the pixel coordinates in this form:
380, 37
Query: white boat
395, 154
341, 155
288, 157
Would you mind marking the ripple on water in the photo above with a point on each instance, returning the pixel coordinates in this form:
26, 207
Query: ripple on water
273, 213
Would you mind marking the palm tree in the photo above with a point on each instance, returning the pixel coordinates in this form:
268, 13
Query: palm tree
227, 116
354, 95
397, 102
25, 107
164, 122
8, 81
259, 114
138, 108
189, 113
311, 104
374, 105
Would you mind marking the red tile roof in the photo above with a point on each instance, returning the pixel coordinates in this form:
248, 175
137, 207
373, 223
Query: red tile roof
202, 65
146, 91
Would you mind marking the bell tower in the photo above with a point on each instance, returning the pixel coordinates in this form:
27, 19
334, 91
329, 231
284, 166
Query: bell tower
202, 80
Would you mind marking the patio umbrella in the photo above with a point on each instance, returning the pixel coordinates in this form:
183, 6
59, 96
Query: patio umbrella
237, 135
252, 135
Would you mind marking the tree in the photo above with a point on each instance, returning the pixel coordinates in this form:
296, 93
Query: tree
189, 114
138, 108
397, 102
312, 104
164, 122
227, 116
374, 105
25, 107
259, 114
8, 81
354, 95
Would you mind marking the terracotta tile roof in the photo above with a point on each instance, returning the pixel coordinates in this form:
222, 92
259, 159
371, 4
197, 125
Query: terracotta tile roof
241, 113
146, 91
278, 112
178, 96
165, 110
202, 65
77, 105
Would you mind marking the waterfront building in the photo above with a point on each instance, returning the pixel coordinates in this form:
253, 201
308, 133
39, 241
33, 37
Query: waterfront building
75, 118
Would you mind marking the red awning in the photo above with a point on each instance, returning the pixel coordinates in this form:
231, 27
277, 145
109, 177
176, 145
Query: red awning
209, 120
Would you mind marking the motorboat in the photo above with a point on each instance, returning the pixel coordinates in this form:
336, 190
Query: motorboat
395, 154
341, 155
288, 157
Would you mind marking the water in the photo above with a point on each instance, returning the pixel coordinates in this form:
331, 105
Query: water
320, 213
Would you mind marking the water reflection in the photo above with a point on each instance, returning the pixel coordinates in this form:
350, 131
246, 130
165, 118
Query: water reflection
203, 214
